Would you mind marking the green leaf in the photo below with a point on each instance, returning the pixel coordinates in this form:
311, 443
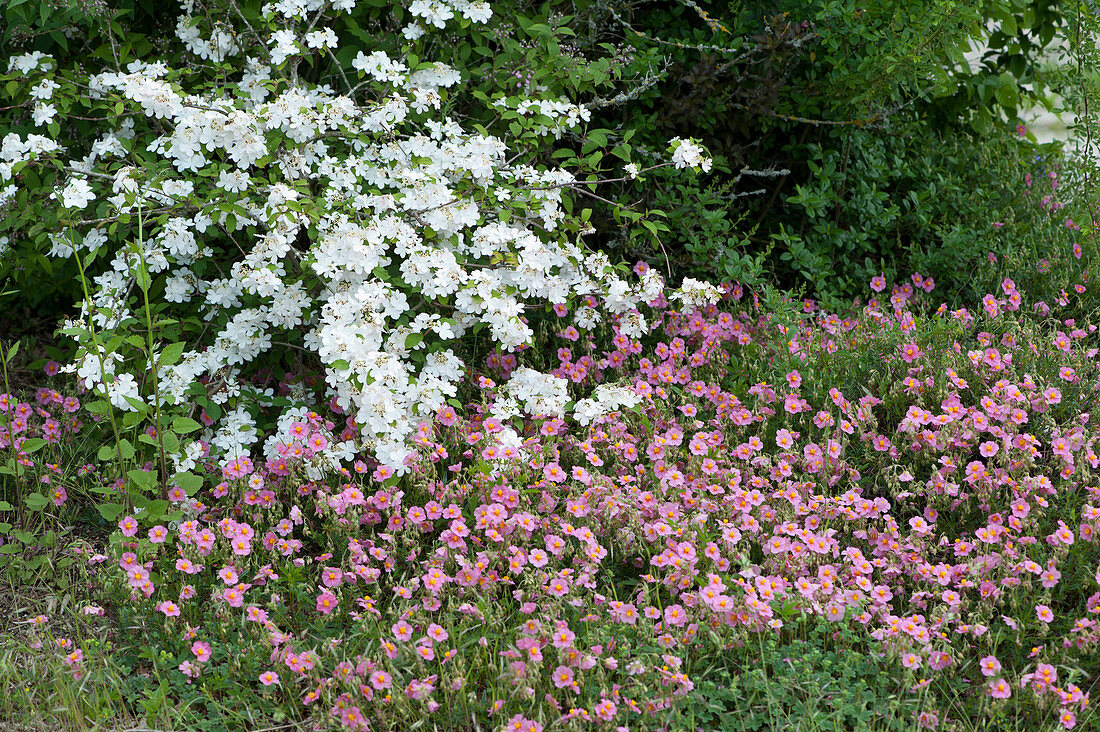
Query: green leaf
142, 478
183, 425
126, 448
100, 406
170, 441
140, 406
171, 354
110, 511
189, 482
5, 506
33, 445
36, 501
1007, 94
24, 536
155, 510
413, 340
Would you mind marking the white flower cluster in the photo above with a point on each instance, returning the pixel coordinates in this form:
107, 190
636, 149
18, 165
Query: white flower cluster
696, 293
122, 385
77, 194
14, 149
688, 154
28, 62
421, 229
607, 398
540, 393
220, 45
563, 113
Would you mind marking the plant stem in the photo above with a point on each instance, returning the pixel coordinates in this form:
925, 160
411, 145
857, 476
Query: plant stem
152, 359
102, 372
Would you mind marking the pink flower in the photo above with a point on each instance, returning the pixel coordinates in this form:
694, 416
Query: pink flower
204, 540
402, 631
326, 603
919, 525
563, 638
928, 720
910, 352
242, 547
563, 677
158, 534
255, 614
554, 473
1068, 720
675, 615
332, 577
939, 660
558, 587
1000, 689
201, 651
1044, 614
352, 718
990, 666
447, 416
878, 283
233, 596
187, 566
269, 678
1044, 676
129, 526
381, 680
169, 608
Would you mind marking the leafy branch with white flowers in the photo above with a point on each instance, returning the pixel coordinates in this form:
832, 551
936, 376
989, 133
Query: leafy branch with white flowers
285, 211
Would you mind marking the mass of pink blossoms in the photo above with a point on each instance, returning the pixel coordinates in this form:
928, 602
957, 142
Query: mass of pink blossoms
938, 496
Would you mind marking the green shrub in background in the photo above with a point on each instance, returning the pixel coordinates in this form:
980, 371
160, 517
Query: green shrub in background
850, 138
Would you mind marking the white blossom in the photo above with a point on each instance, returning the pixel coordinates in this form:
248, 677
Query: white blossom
77, 194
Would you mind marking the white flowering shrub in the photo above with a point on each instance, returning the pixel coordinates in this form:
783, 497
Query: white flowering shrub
237, 203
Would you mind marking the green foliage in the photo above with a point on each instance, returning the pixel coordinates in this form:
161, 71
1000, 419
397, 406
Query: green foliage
849, 140
100, 36
898, 204
811, 683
